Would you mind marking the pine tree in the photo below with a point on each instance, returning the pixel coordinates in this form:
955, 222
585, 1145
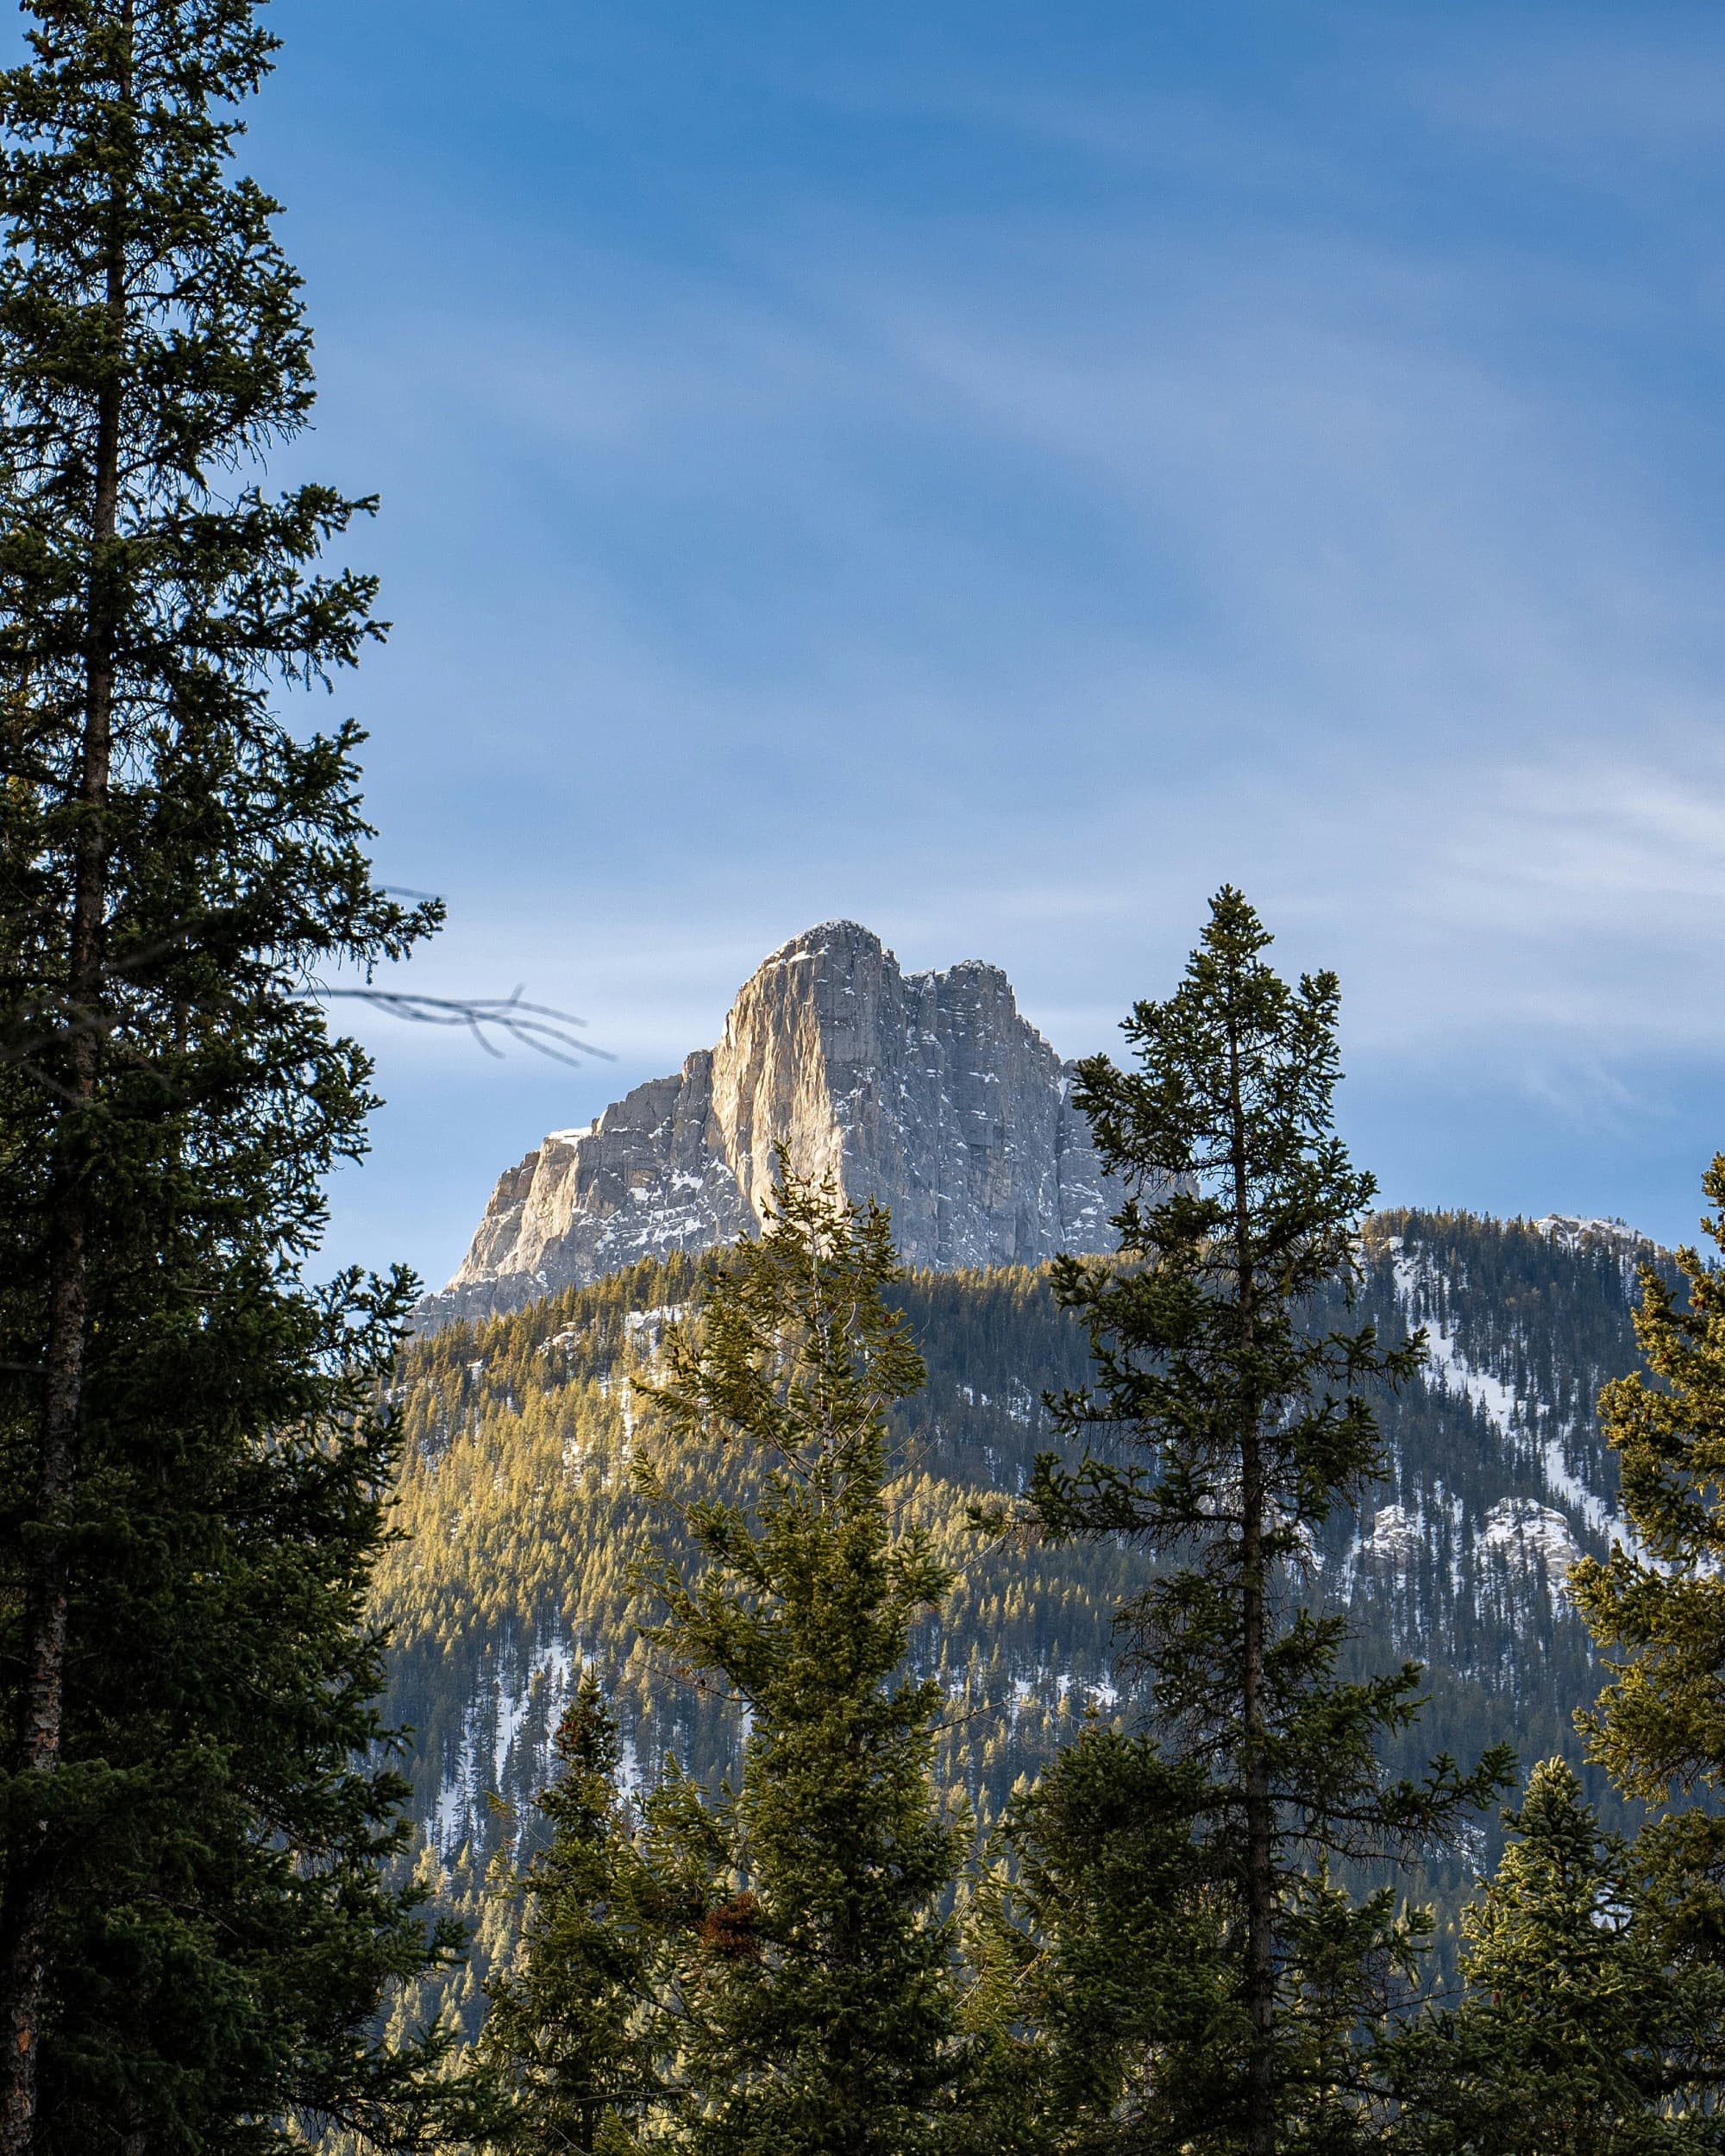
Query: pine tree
822, 2002
1099, 1980
582, 2039
1657, 1608
1232, 1431
1568, 2038
197, 1813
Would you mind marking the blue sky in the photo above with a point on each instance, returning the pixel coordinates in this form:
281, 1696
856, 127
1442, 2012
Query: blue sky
996, 473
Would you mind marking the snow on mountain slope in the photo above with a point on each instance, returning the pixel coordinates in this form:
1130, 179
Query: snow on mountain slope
523, 1525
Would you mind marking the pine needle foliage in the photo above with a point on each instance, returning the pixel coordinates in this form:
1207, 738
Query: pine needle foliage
1098, 1984
199, 1806
1659, 1725
1571, 2036
1657, 1609
580, 2043
821, 2008
1225, 1429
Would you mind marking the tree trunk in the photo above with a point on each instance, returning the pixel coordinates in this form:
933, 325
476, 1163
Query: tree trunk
47, 1584
1260, 1848
1260, 1971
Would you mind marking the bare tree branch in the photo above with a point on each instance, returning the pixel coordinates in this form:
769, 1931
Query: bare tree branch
536, 1025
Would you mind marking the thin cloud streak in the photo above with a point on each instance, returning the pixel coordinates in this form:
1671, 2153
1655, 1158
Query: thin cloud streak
1025, 500
1398, 558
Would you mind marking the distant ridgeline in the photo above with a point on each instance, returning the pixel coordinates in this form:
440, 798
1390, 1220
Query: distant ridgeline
522, 1527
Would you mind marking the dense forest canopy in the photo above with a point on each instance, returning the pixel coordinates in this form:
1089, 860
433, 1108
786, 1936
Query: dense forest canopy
520, 1526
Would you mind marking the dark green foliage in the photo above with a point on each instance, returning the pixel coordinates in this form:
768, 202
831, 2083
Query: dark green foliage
524, 1530
1232, 1430
1656, 1608
820, 2009
197, 1808
583, 2038
1659, 1727
1574, 2037
1100, 1985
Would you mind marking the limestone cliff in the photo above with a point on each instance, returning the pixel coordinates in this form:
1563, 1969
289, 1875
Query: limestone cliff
928, 1091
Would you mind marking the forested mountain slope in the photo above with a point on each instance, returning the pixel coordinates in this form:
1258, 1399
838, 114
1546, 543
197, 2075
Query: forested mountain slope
521, 1528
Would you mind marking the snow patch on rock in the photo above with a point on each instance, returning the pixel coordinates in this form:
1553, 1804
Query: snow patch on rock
1526, 1532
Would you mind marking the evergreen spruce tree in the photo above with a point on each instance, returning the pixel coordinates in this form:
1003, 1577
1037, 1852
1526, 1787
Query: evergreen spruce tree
1098, 1982
1231, 1430
581, 2041
195, 1811
822, 1999
1571, 2026
1657, 1608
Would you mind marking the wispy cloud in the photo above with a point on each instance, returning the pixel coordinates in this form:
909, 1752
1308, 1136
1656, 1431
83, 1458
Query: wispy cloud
1008, 567
1623, 100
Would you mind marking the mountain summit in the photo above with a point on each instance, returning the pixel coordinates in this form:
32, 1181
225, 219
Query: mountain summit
928, 1091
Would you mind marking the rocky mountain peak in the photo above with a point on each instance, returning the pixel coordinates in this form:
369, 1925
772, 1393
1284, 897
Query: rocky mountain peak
929, 1092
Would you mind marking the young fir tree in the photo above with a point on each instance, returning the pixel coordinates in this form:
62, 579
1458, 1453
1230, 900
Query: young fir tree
1098, 1980
1566, 2039
821, 2000
1234, 1430
581, 2041
1657, 1609
194, 1816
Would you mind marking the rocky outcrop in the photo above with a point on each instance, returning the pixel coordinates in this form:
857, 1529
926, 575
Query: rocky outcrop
928, 1091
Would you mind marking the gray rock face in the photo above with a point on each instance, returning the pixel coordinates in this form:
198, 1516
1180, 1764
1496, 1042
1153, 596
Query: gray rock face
928, 1091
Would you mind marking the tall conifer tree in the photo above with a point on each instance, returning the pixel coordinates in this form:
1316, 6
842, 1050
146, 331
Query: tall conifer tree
822, 1998
1232, 1431
192, 1472
1571, 2036
1657, 1609
582, 2037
